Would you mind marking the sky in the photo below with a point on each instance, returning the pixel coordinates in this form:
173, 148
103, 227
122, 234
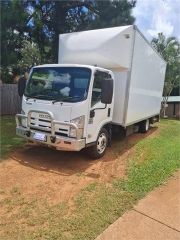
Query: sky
154, 16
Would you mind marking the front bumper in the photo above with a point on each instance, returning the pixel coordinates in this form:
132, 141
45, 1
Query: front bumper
61, 143
51, 139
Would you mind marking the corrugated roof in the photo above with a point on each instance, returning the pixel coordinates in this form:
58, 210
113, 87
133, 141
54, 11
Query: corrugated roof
174, 99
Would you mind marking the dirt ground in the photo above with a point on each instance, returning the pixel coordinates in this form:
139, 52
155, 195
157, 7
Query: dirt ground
57, 176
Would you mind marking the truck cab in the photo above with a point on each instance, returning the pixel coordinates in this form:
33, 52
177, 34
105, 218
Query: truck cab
68, 107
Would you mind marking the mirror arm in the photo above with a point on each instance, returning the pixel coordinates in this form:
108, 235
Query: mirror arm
92, 113
100, 108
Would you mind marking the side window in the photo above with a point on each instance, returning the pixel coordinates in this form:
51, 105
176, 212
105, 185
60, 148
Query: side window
97, 86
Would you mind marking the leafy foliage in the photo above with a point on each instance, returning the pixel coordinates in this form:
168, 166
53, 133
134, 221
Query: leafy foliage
170, 50
41, 22
13, 31
113, 13
30, 55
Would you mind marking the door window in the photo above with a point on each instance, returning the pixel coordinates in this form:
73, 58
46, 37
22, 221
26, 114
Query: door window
97, 86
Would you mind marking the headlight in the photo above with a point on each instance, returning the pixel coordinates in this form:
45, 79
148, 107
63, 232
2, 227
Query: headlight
79, 122
72, 132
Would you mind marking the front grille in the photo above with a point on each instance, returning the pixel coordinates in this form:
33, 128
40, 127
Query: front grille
45, 125
63, 130
47, 131
40, 130
44, 120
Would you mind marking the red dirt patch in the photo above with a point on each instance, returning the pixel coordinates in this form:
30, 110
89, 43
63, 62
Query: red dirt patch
39, 172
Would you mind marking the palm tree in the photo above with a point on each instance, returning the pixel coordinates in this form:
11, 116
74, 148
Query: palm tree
169, 48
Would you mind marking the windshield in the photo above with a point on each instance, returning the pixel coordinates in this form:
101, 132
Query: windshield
69, 84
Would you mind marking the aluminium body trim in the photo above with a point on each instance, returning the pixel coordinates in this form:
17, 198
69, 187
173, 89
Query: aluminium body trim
136, 121
129, 79
142, 119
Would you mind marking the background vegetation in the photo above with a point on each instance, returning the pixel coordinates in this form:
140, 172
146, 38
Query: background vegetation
30, 32
169, 48
35, 25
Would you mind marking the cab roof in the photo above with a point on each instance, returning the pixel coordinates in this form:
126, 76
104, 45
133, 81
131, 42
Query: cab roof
74, 65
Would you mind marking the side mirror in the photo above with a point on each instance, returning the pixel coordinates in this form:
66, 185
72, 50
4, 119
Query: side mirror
107, 91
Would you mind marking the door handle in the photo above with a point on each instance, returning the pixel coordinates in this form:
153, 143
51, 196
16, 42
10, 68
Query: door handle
92, 113
109, 112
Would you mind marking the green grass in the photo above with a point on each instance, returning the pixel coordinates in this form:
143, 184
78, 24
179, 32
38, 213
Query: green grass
8, 139
155, 159
161, 158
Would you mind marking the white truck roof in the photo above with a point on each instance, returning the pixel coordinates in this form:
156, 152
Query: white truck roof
73, 65
108, 48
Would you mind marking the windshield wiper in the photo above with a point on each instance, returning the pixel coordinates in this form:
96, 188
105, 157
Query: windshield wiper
64, 99
36, 96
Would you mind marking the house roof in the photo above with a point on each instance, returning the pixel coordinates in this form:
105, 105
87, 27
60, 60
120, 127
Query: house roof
173, 99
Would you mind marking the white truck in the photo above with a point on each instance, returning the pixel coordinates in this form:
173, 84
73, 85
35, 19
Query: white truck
105, 78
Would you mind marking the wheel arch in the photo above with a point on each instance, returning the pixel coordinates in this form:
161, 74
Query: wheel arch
108, 127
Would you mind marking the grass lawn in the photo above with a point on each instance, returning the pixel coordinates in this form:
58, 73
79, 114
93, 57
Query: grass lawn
155, 159
8, 139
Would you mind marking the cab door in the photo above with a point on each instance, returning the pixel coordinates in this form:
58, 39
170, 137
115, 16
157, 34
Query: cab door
100, 113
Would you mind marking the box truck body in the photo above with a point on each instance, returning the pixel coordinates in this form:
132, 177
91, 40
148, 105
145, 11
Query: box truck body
139, 71
103, 78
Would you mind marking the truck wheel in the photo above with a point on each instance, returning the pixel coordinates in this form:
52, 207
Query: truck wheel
144, 126
98, 150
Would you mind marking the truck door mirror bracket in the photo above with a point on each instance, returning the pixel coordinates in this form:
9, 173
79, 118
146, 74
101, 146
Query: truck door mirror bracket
100, 108
92, 112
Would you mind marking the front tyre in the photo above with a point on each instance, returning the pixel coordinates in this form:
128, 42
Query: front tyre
98, 150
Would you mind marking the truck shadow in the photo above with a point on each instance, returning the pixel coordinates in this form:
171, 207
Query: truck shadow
69, 163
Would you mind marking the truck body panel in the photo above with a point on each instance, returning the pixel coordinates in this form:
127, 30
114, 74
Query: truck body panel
108, 48
120, 96
138, 69
146, 82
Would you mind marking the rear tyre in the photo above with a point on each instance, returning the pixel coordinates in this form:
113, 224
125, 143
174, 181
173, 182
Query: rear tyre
144, 126
98, 150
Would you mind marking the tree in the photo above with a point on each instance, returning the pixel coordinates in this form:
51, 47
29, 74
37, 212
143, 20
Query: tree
113, 13
169, 48
42, 21
13, 32
68, 16
85, 15
51, 18
30, 55
39, 19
